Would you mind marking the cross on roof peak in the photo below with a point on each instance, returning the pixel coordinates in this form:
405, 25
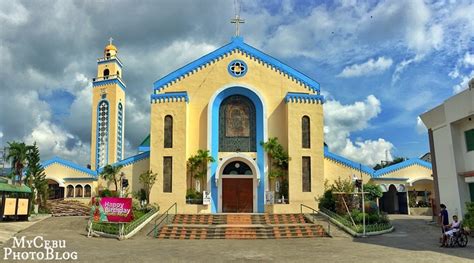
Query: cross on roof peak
110, 40
237, 20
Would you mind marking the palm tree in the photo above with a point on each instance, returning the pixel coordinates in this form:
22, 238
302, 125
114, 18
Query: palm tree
192, 164
18, 155
148, 179
110, 172
204, 158
197, 166
277, 158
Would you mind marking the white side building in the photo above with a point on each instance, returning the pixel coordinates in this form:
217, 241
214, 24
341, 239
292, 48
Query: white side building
451, 134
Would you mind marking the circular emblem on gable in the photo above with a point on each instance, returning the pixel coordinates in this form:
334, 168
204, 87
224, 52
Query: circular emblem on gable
237, 68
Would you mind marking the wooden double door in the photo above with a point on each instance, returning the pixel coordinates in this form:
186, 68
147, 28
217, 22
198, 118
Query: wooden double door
237, 195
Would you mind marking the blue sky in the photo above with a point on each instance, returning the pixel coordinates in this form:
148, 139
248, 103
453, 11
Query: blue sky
380, 63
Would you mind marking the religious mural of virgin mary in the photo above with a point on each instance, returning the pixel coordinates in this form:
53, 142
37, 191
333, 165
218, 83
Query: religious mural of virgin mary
237, 121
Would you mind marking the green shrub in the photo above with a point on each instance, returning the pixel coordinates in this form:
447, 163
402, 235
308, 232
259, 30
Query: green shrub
327, 201
469, 216
370, 218
108, 193
373, 192
193, 197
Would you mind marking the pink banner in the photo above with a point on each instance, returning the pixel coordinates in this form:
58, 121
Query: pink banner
112, 209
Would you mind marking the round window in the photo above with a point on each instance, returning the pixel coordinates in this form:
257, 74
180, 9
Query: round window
237, 68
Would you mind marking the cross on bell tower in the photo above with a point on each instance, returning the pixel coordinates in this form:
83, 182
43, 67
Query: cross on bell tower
237, 20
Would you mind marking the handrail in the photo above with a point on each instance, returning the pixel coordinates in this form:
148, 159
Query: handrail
162, 218
314, 215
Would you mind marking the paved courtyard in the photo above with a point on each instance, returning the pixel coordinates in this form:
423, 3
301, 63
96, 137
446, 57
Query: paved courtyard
413, 241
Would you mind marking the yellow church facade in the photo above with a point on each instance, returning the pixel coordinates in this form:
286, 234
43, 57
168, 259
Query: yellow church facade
227, 102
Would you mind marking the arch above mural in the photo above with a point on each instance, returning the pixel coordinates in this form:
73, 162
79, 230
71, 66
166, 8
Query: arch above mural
213, 136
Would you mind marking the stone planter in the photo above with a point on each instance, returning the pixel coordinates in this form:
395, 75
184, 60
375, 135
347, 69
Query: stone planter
421, 211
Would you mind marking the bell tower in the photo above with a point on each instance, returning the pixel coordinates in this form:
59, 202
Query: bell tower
108, 110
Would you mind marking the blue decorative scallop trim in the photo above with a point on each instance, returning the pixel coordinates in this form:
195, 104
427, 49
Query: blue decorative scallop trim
398, 166
124, 162
376, 174
170, 97
130, 160
68, 164
347, 162
304, 98
109, 81
237, 43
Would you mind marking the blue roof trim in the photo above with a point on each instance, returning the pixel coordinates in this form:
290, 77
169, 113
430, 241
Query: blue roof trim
170, 97
398, 166
129, 160
144, 148
236, 43
377, 174
347, 162
304, 98
109, 81
68, 164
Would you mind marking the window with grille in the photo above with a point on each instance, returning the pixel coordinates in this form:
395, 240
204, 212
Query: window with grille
305, 132
306, 174
102, 133
119, 132
167, 174
168, 134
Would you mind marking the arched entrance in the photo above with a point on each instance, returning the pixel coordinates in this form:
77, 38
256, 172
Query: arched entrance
394, 201
56, 191
237, 188
237, 183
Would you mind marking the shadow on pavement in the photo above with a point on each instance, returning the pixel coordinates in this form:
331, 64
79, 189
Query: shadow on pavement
416, 234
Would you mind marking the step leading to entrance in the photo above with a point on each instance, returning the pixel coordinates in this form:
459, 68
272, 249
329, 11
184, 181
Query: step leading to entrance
240, 226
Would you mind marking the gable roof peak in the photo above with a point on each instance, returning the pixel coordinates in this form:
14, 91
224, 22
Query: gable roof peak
237, 43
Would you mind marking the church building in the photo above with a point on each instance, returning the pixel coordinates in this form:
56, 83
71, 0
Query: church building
228, 102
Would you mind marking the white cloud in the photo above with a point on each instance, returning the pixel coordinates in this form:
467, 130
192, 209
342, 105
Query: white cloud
52, 140
13, 13
420, 126
341, 120
464, 84
369, 152
468, 59
370, 67
421, 34
403, 65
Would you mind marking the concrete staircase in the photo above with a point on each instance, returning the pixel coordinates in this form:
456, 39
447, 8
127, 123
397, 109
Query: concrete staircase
240, 226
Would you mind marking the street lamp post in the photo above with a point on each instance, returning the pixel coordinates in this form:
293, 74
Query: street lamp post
360, 183
363, 208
